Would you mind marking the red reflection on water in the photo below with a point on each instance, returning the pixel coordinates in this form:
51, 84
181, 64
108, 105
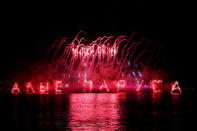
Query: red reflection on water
156, 98
94, 111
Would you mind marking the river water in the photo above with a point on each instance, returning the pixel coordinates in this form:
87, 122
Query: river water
98, 111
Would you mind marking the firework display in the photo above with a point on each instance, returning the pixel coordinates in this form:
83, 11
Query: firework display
107, 64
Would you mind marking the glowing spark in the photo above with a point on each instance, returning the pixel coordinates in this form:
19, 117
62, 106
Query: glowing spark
133, 73
85, 76
66, 85
122, 74
139, 85
47, 86
79, 75
140, 74
129, 63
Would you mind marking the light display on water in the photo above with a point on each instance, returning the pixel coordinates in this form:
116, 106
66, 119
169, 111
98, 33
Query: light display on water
15, 90
107, 64
44, 88
176, 88
88, 85
29, 88
155, 85
58, 86
121, 84
104, 86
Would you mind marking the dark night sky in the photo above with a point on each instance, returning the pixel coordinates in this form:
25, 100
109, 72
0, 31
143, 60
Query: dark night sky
26, 26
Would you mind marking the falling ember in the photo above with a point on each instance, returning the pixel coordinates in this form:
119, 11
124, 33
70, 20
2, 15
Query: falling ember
107, 64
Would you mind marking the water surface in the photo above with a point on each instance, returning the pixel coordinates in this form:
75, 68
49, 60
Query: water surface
98, 111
